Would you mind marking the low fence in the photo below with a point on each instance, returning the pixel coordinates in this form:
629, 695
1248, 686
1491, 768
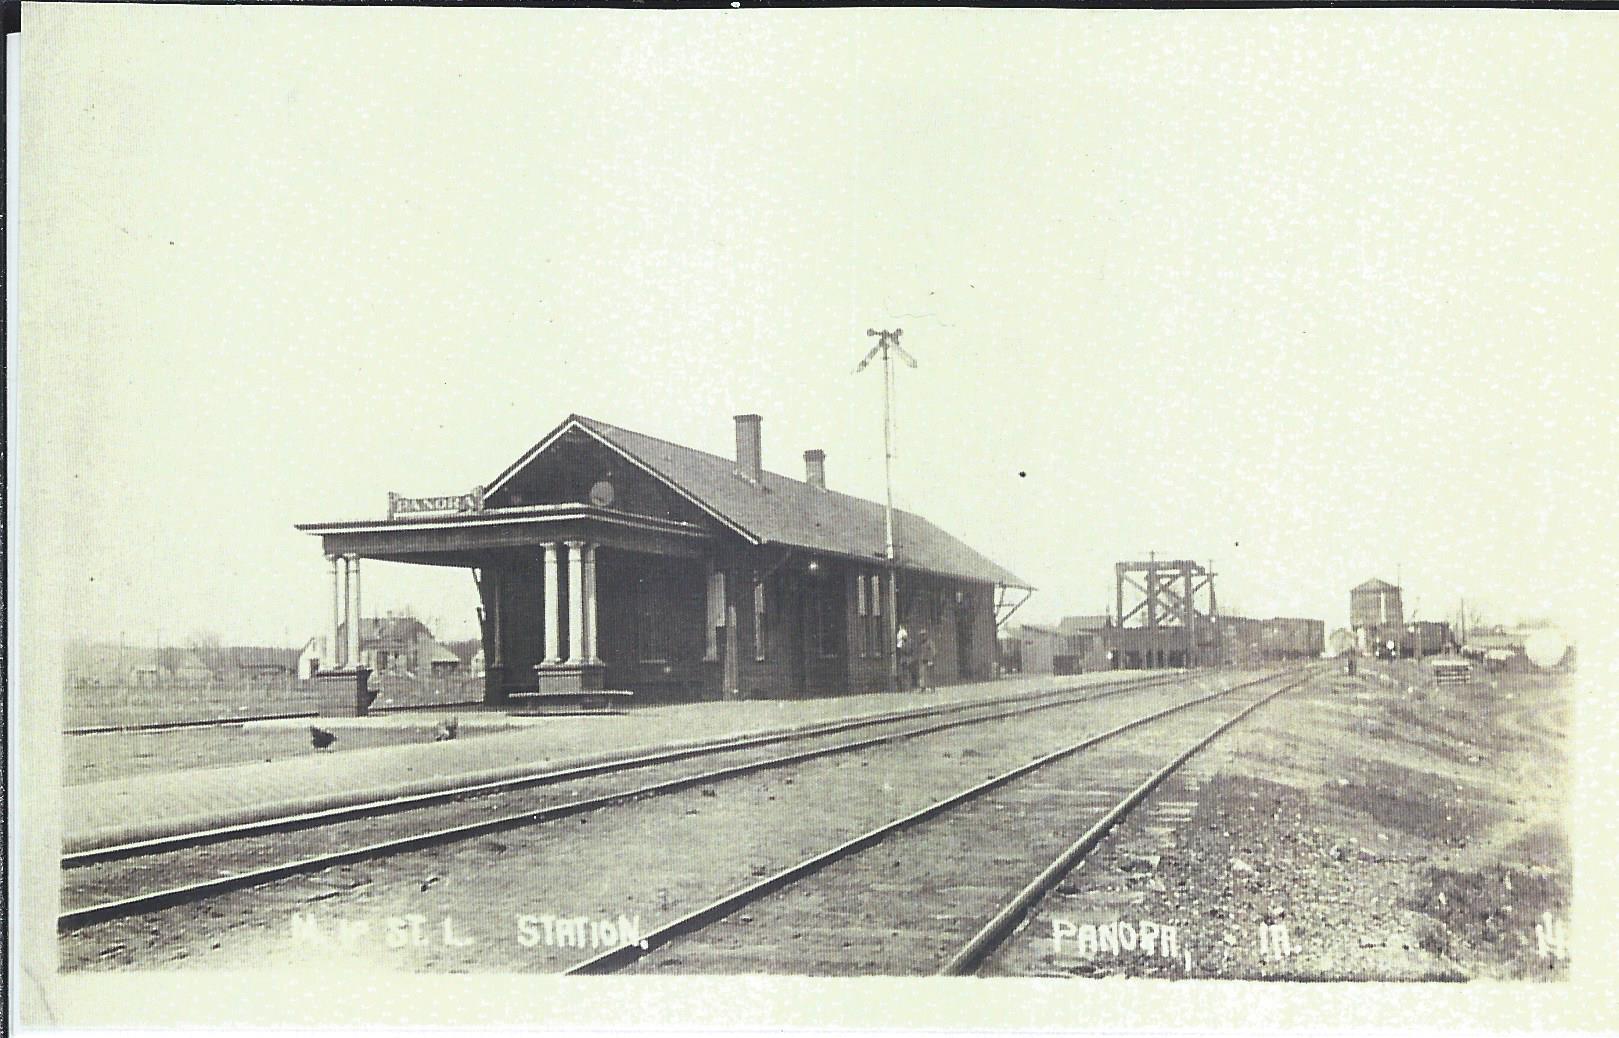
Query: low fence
86, 706
1451, 671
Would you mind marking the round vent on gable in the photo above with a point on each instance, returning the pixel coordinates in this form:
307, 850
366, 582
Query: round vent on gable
601, 494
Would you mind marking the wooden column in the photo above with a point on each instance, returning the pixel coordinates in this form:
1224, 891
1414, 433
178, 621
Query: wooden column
333, 650
497, 611
588, 603
576, 603
550, 607
352, 653
730, 677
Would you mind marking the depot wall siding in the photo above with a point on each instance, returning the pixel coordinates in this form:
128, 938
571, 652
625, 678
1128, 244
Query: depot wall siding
792, 664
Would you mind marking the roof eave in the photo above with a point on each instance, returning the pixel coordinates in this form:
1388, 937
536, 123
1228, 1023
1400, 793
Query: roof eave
880, 560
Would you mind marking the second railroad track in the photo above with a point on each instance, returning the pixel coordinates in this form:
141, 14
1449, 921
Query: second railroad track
940, 889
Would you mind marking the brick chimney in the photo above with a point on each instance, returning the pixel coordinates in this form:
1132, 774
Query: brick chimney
749, 461
815, 469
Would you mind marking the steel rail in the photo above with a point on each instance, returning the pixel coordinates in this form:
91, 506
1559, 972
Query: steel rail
994, 933
74, 919
617, 958
371, 808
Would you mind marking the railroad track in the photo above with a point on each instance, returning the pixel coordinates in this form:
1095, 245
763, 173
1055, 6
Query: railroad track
97, 882
929, 889
95, 855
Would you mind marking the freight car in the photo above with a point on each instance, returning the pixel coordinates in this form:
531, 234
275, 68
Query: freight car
1292, 638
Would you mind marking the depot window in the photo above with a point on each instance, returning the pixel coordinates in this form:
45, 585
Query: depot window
758, 620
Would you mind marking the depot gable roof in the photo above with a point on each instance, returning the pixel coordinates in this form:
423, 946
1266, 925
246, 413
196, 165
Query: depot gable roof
781, 510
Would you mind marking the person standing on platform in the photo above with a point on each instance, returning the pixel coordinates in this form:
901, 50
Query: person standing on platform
924, 662
902, 649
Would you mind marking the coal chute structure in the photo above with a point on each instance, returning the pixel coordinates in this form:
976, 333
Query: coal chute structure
1167, 615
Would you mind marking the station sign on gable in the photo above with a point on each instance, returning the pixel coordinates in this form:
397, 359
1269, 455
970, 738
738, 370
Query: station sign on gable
399, 505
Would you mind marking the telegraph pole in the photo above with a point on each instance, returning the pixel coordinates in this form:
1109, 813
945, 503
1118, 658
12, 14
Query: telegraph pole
887, 344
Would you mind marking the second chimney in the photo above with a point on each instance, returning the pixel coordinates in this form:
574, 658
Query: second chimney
815, 469
749, 462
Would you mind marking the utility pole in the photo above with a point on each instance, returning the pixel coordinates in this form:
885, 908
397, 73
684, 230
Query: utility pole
888, 344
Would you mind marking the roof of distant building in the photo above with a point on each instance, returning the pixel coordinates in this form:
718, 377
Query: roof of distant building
399, 629
441, 653
1018, 630
108, 659
1084, 624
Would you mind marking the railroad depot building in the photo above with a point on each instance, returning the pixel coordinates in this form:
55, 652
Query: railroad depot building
606, 558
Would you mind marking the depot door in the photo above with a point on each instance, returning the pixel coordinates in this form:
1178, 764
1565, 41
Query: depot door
794, 636
964, 643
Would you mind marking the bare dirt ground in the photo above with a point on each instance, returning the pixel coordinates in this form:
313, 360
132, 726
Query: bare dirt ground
1364, 830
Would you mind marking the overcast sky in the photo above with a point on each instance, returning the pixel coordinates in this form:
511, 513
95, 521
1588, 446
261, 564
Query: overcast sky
1318, 296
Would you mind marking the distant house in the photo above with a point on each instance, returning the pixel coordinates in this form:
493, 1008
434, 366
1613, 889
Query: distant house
1031, 648
103, 665
256, 665
180, 666
470, 653
315, 655
1072, 647
397, 645
1084, 638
